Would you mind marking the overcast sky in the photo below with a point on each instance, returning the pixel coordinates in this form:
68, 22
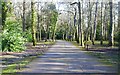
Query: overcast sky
64, 0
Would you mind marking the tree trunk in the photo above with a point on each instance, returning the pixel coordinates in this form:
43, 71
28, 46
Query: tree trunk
119, 14
63, 36
89, 22
105, 24
23, 17
54, 32
4, 13
101, 40
66, 36
95, 25
80, 37
111, 29
38, 25
32, 24
75, 33
119, 23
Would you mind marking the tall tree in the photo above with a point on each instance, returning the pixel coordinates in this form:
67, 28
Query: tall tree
32, 24
82, 23
101, 40
95, 24
4, 12
75, 28
38, 24
119, 14
23, 16
105, 23
111, 29
80, 35
88, 31
54, 23
119, 22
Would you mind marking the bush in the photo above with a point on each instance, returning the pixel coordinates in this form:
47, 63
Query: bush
28, 35
12, 37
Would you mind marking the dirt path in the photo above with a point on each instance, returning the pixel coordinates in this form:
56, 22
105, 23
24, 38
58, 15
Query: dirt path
63, 57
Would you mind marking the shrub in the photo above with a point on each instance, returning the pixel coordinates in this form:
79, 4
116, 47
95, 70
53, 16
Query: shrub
28, 35
12, 37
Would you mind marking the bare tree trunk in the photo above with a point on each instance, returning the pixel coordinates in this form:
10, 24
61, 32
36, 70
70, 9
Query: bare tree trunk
95, 25
106, 21
80, 37
105, 24
89, 22
101, 41
54, 31
32, 24
119, 14
119, 23
75, 25
66, 36
63, 36
23, 17
111, 29
38, 25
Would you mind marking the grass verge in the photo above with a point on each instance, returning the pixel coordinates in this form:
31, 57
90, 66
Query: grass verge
77, 45
16, 67
102, 57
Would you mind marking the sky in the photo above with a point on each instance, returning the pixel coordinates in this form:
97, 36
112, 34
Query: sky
57, 2
54, 1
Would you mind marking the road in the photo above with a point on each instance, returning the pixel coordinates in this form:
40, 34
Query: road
63, 57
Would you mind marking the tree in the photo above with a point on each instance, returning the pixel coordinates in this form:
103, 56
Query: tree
54, 23
23, 17
38, 24
105, 22
4, 12
32, 24
95, 25
119, 15
119, 23
80, 35
111, 27
101, 40
82, 23
75, 27
89, 27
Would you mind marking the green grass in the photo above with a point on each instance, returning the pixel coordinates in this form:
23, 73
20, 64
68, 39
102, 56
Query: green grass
101, 58
47, 43
16, 67
77, 45
105, 43
111, 61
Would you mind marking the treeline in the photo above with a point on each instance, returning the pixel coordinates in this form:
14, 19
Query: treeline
84, 22
92, 21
